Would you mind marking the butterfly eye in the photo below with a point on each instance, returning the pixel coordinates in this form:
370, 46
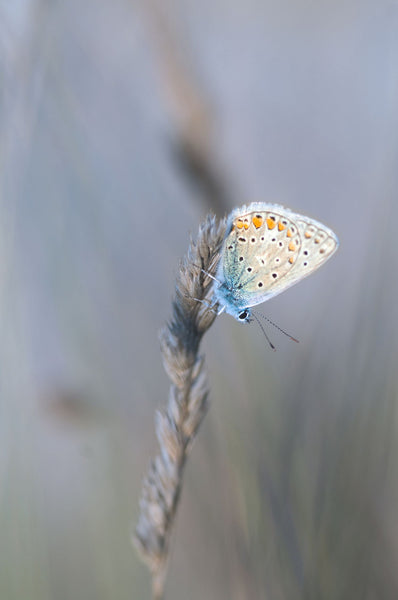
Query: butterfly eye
242, 316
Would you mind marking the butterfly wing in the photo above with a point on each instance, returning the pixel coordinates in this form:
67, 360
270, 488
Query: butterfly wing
268, 249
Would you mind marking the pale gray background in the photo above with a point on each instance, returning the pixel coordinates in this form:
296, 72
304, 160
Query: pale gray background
291, 489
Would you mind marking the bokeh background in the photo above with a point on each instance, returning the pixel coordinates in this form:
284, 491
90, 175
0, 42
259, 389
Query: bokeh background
121, 125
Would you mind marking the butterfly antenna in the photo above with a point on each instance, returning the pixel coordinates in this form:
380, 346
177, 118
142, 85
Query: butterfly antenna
276, 326
264, 332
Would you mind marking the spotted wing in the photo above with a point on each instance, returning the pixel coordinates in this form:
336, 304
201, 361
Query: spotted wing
269, 248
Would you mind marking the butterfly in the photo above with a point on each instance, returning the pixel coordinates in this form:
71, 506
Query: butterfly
267, 249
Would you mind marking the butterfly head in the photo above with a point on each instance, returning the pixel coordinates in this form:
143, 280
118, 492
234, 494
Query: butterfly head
244, 316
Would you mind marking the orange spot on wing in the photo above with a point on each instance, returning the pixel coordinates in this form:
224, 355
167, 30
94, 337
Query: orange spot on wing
271, 223
292, 246
289, 233
291, 260
246, 225
257, 222
308, 234
239, 224
281, 226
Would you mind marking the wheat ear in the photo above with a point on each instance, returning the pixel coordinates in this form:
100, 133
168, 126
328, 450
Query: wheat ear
178, 424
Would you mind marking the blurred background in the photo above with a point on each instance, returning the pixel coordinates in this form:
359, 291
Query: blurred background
121, 125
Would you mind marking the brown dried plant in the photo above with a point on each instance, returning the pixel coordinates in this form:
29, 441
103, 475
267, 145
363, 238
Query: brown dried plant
178, 424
